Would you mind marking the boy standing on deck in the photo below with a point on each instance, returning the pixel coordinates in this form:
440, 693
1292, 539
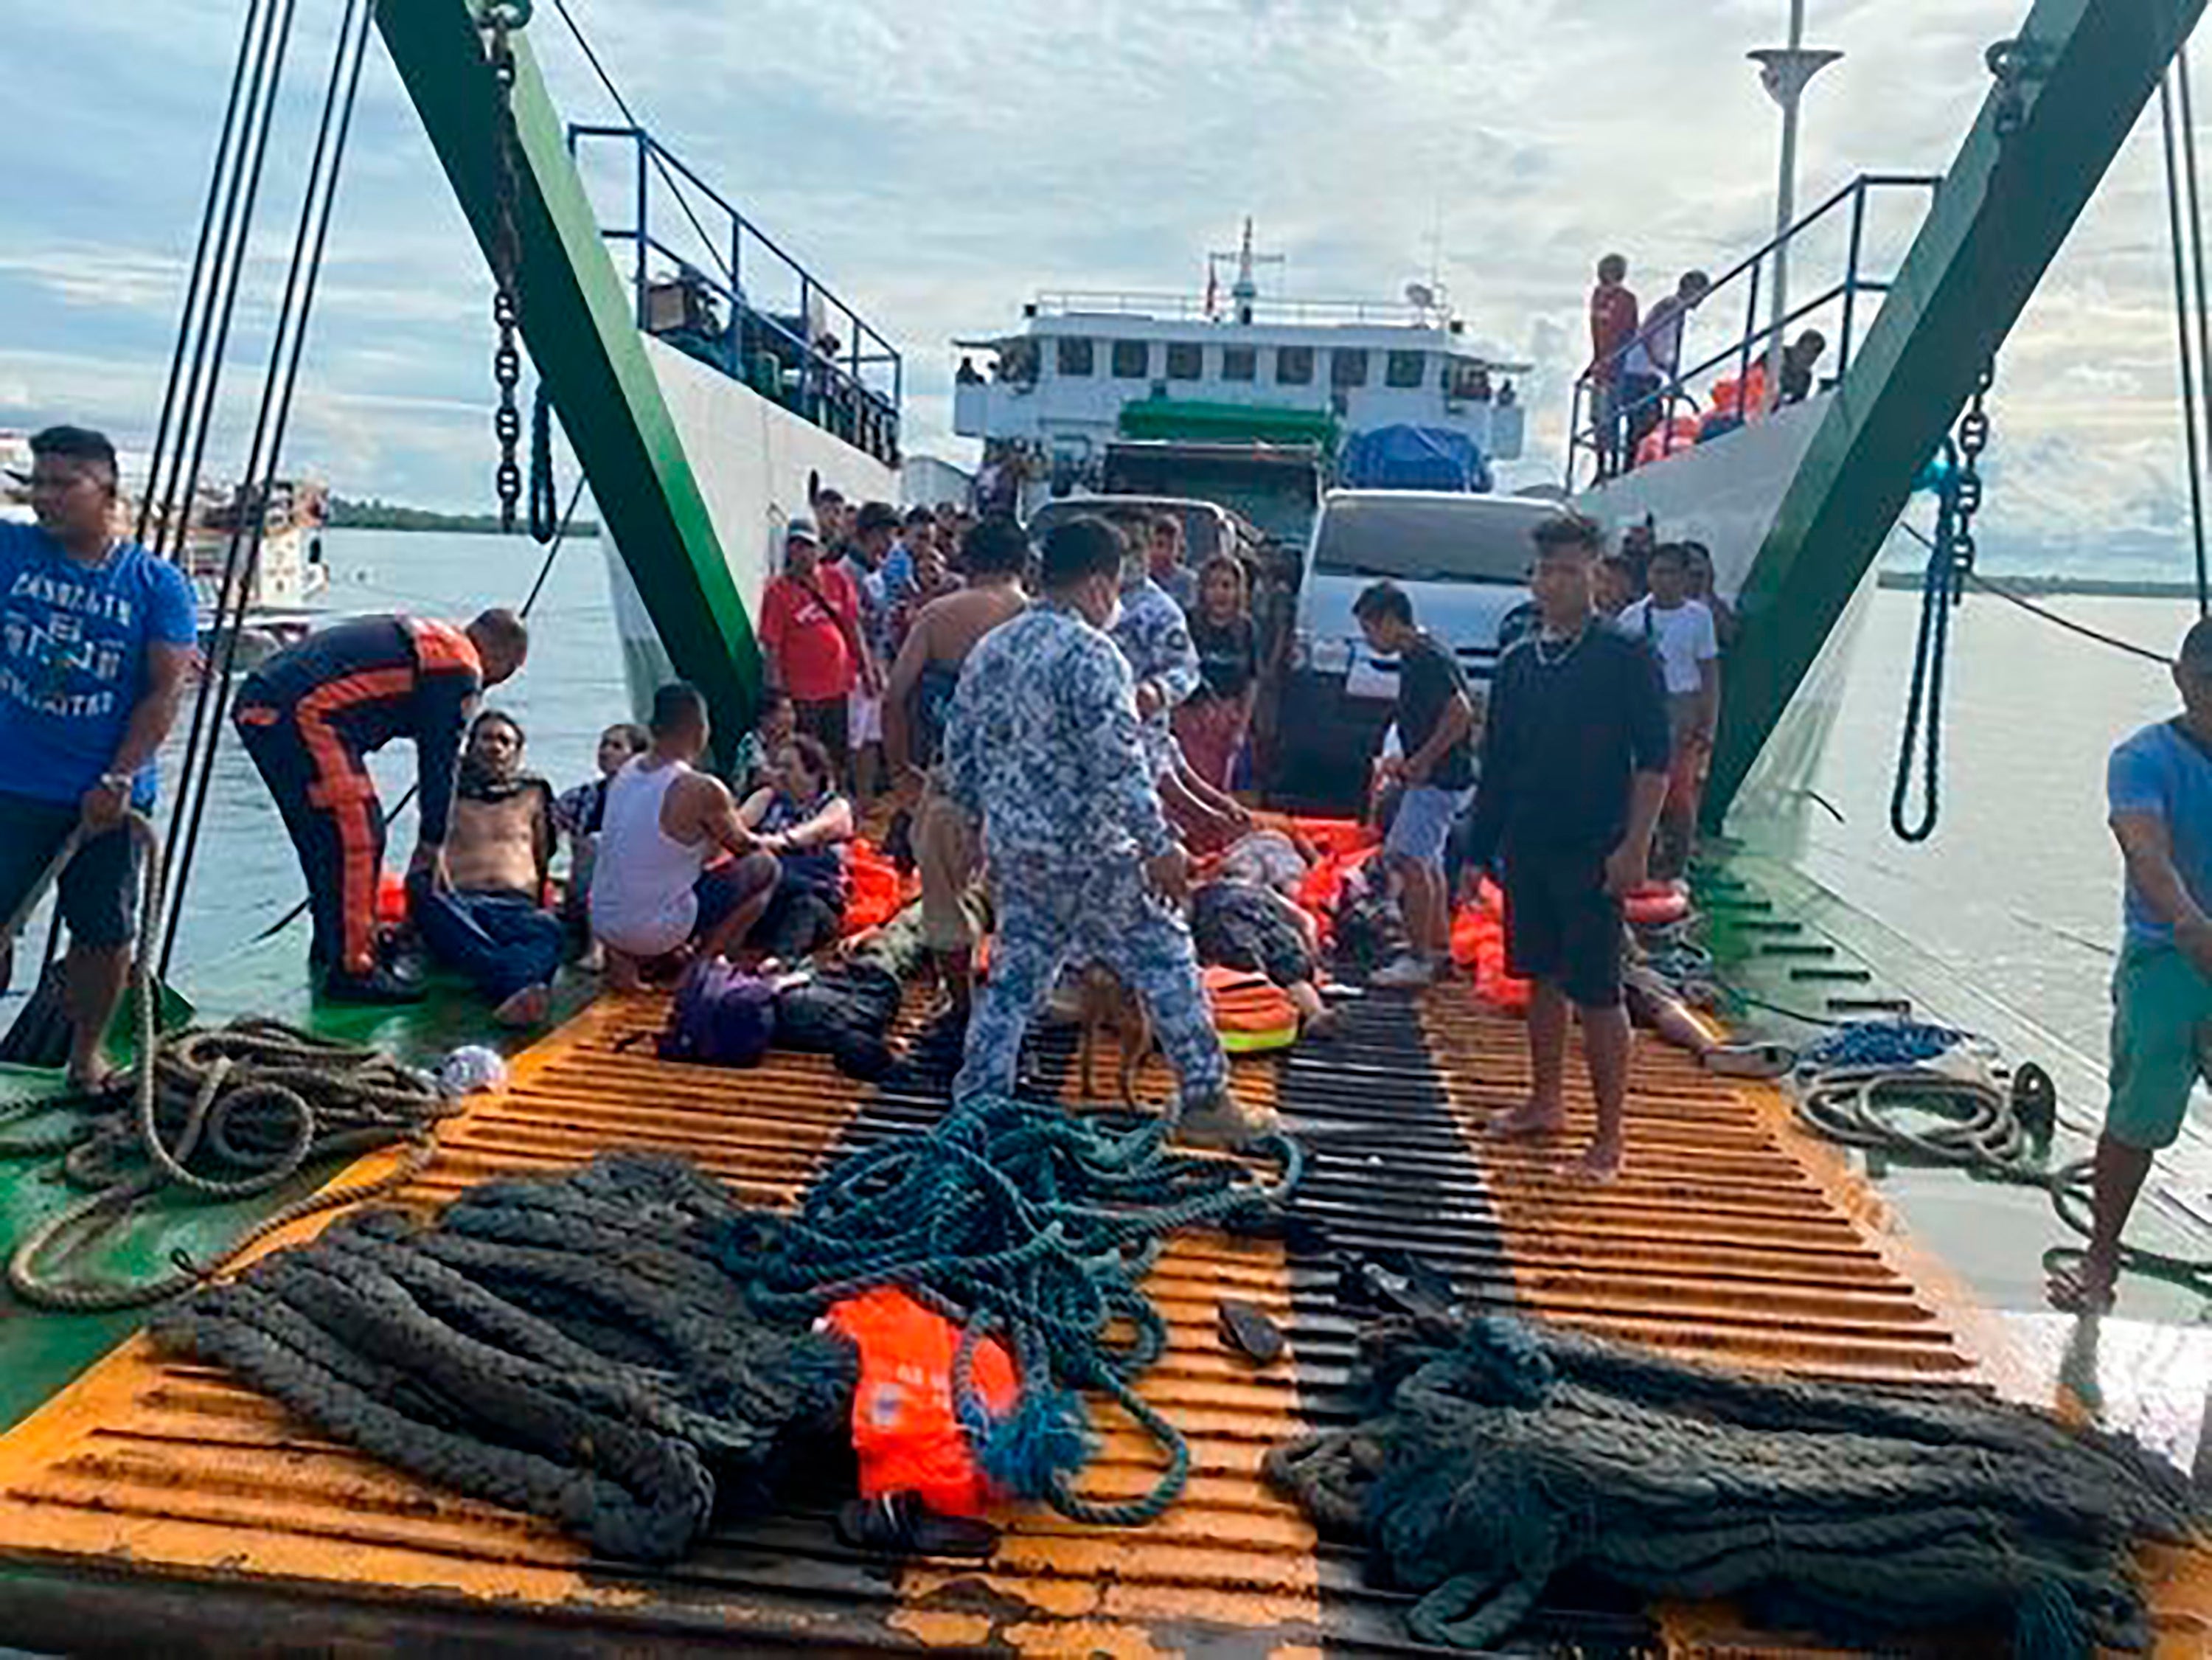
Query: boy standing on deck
1574, 770
1436, 767
2158, 785
1680, 628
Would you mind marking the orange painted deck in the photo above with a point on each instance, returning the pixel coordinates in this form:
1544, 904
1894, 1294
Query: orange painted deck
154, 1507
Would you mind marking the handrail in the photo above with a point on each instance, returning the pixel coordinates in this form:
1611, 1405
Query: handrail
1757, 335
829, 387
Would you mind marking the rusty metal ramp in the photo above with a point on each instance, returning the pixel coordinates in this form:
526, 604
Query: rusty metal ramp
154, 1507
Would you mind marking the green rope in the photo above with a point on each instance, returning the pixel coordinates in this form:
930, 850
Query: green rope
1026, 1222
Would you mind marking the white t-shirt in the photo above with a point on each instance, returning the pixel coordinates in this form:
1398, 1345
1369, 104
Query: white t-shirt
1683, 637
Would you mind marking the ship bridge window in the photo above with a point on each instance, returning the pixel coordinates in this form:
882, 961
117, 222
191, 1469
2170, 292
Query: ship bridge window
1294, 366
1133, 360
1075, 357
1347, 367
1240, 363
1406, 368
1185, 360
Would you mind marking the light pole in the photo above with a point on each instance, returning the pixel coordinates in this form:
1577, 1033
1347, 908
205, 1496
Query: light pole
1785, 72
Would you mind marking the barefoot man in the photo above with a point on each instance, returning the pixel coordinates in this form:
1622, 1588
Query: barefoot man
488, 920
1574, 772
2159, 786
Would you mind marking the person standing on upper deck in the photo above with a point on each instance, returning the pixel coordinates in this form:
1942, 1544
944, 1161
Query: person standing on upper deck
1043, 746
98, 641
1574, 771
1655, 357
2158, 785
1613, 319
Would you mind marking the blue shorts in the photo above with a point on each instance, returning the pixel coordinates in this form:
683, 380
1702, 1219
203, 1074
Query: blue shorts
2161, 1022
1424, 822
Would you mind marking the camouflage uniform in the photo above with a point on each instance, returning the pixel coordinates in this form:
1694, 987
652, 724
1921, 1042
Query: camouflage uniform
1154, 634
1043, 745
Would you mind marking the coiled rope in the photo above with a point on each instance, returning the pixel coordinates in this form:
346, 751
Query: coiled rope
1033, 1225
566, 1347
1881, 1085
1494, 1454
220, 1113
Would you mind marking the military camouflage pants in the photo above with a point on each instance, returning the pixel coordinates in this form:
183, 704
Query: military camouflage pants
1050, 916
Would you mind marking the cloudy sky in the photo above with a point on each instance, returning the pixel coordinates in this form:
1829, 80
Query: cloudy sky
940, 162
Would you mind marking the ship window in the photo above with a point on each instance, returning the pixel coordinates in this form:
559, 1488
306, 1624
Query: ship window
1133, 360
1240, 363
1075, 357
1347, 368
1185, 360
1406, 368
1294, 366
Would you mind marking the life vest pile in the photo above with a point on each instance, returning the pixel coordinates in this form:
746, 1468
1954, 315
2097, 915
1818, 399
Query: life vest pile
1679, 433
1478, 944
874, 890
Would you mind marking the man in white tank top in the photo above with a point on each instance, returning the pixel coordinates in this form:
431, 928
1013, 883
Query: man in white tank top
653, 898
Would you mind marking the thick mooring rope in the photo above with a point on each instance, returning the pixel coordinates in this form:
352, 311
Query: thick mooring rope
566, 1347
1496, 1454
224, 1113
1028, 1223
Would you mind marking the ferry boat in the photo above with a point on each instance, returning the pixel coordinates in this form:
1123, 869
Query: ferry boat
146, 1504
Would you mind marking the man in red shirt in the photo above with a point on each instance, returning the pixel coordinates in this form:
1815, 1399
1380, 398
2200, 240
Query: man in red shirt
1612, 317
809, 631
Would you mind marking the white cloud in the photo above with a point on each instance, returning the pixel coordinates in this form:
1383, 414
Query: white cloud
938, 164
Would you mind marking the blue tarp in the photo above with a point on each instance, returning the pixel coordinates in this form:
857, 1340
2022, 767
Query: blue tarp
1409, 457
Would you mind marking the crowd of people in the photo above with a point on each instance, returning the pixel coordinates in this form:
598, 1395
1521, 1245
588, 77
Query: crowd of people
1059, 725
1633, 382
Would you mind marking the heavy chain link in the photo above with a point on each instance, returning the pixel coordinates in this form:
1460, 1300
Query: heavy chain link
1967, 488
499, 20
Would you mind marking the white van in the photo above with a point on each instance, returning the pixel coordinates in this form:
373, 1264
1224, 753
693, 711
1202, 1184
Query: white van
1462, 560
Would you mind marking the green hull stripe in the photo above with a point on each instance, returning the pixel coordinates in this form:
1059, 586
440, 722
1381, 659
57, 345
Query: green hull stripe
580, 323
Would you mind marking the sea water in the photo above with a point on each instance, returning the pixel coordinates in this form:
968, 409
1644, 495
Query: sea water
2019, 888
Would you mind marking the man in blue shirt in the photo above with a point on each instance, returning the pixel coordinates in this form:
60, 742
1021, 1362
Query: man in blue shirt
2159, 786
96, 640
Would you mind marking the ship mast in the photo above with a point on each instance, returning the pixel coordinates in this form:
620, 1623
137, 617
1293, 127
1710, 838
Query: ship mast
1245, 291
1785, 72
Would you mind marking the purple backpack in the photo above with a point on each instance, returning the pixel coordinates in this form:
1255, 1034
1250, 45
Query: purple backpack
721, 1017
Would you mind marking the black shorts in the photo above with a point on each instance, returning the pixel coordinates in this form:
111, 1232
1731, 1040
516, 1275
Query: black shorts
1561, 925
98, 889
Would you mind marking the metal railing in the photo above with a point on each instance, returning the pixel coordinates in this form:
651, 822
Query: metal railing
709, 282
1183, 307
1602, 435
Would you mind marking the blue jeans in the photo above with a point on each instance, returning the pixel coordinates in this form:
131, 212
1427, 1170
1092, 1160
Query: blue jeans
500, 941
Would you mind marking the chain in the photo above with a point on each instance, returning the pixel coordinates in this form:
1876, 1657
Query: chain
1966, 487
500, 18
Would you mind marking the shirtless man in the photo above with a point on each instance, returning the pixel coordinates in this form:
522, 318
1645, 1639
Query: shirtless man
996, 553
487, 919
655, 904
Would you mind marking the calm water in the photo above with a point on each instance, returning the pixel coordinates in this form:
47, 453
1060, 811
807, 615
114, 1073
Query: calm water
2019, 888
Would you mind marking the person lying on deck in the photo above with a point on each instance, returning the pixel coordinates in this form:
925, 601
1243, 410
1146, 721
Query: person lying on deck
1251, 927
794, 887
487, 919
655, 903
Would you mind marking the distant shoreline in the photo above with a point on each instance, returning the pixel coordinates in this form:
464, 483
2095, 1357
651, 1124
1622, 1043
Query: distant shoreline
2040, 587
387, 515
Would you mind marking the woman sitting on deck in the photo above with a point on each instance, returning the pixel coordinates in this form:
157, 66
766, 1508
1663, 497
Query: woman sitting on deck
801, 825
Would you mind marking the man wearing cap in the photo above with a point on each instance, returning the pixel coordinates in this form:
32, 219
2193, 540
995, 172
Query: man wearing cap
811, 631
96, 641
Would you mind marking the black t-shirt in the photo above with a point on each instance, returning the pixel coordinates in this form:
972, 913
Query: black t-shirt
1429, 678
1567, 726
1228, 655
